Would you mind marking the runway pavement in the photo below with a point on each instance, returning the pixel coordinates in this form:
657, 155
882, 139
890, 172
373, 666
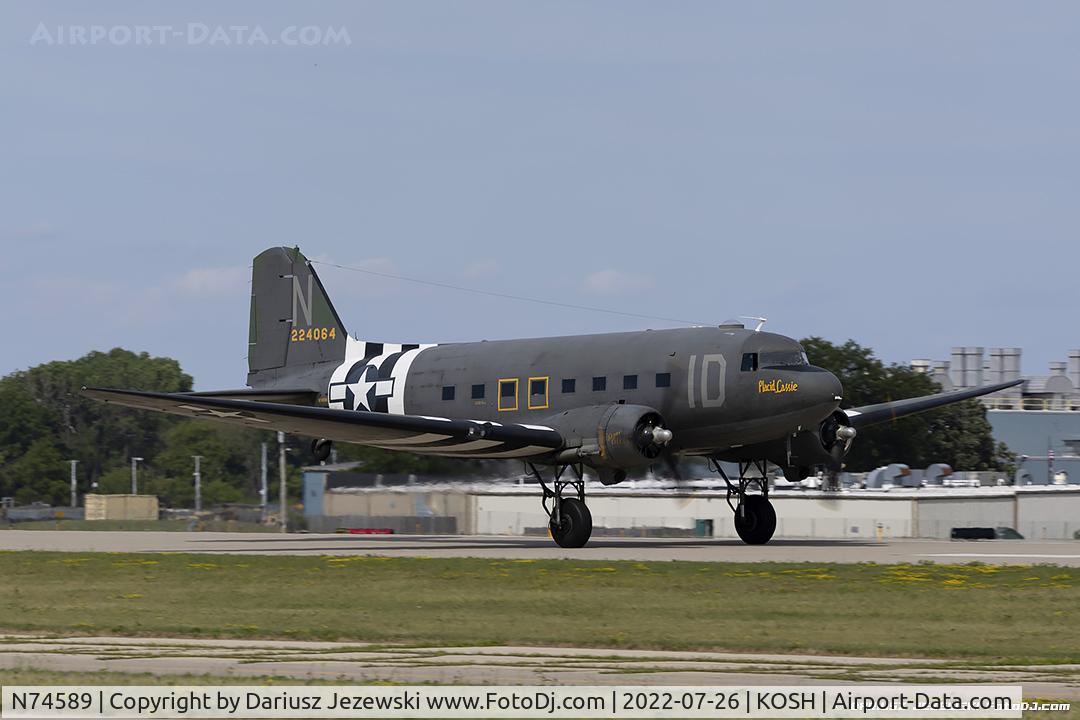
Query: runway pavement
1024, 552
361, 663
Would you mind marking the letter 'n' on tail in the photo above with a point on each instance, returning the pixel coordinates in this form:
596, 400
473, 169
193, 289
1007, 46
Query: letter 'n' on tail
293, 326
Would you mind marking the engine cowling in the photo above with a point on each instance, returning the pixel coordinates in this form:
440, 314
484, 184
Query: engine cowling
613, 437
827, 445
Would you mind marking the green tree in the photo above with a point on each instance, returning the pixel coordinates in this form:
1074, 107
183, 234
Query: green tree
46, 421
104, 436
229, 467
28, 434
40, 474
957, 434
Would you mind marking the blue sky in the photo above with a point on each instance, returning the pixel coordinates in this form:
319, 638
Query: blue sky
905, 174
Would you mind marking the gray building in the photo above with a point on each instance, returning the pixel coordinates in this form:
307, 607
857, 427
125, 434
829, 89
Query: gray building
1039, 420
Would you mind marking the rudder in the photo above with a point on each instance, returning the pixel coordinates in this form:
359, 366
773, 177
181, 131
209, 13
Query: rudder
293, 325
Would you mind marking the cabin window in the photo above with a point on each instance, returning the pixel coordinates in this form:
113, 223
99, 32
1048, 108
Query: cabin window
478, 392
629, 382
508, 391
538, 393
749, 362
569, 385
663, 380
448, 392
599, 384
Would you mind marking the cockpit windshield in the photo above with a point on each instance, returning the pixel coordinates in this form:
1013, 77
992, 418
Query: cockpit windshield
783, 358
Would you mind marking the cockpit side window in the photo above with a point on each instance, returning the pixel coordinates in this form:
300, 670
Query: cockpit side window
749, 362
783, 358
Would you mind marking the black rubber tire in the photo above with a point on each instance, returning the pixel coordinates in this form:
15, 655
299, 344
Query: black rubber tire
758, 523
321, 449
575, 527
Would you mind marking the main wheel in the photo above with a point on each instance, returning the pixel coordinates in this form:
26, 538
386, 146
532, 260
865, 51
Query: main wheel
321, 448
575, 524
755, 520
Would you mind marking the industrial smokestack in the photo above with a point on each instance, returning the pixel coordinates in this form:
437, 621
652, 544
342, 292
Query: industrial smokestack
973, 367
941, 373
995, 368
1011, 361
967, 367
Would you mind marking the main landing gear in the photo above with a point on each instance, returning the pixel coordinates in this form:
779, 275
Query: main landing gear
570, 521
755, 518
320, 449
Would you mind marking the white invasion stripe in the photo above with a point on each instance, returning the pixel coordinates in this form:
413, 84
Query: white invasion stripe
451, 451
414, 440
520, 452
395, 405
474, 445
1003, 555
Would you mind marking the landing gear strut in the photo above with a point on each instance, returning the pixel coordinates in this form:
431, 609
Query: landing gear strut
755, 518
569, 519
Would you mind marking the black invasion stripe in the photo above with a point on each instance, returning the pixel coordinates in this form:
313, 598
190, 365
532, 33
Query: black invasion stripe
387, 366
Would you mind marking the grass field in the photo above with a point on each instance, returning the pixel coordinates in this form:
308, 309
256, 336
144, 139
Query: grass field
993, 613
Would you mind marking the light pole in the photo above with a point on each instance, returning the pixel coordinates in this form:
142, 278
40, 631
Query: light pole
74, 491
135, 475
198, 484
263, 490
281, 471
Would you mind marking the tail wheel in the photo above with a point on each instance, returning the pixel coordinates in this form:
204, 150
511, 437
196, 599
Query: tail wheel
575, 524
755, 520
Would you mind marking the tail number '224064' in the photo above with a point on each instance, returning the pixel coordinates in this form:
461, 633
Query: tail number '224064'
311, 334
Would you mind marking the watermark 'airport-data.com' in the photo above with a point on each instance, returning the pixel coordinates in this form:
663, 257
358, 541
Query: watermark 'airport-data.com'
192, 33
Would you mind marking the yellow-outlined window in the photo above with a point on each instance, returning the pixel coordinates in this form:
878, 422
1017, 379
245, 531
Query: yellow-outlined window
537, 404
505, 398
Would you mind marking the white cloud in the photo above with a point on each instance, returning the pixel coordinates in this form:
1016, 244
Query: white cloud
214, 282
481, 269
616, 282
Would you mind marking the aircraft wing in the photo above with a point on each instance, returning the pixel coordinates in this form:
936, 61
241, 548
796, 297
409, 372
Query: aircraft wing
410, 433
882, 412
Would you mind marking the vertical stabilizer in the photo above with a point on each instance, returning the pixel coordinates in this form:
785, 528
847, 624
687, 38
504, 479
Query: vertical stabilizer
293, 326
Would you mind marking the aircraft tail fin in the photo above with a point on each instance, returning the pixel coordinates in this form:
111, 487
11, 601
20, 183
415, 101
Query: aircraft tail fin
293, 325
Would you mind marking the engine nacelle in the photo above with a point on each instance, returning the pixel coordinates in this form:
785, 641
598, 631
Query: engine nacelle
612, 437
827, 445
